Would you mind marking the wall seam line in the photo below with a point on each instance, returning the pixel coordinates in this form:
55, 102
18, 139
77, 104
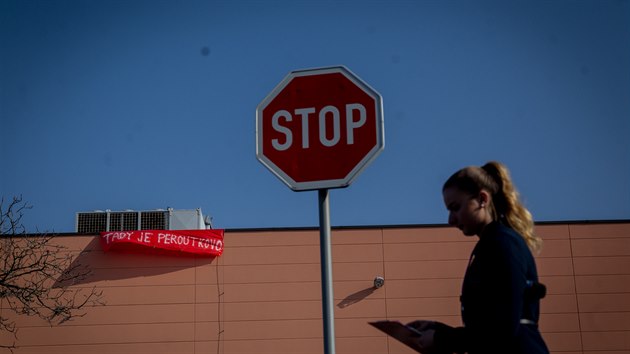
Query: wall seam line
385, 283
577, 301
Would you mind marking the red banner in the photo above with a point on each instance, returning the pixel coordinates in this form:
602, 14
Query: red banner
204, 242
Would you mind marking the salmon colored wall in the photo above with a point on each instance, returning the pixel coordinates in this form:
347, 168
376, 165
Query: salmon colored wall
264, 296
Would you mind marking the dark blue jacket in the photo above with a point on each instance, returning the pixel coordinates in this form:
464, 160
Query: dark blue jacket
498, 311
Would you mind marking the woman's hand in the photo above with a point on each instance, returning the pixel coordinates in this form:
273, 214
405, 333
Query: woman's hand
426, 332
425, 342
421, 325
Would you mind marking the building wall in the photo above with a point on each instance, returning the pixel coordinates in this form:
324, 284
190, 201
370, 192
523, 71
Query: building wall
263, 295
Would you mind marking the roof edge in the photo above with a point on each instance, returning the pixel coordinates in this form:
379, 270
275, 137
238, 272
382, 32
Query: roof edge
352, 227
422, 226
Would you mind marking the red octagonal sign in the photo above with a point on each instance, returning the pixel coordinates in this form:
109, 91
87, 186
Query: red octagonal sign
319, 128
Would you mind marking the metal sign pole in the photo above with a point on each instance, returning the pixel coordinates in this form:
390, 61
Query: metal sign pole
326, 267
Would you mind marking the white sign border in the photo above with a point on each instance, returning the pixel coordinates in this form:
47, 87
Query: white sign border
359, 167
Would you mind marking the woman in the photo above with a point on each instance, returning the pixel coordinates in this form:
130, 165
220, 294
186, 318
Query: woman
500, 293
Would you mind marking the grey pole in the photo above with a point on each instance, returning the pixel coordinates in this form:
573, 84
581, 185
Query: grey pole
326, 266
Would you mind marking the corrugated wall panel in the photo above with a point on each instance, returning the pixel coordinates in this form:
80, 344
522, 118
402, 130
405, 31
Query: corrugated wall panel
264, 294
559, 320
423, 272
109, 348
601, 254
272, 291
107, 334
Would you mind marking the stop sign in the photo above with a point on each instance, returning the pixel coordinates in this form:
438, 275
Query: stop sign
319, 128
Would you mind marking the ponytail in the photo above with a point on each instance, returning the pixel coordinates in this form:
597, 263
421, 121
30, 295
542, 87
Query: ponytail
508, 206
505, 205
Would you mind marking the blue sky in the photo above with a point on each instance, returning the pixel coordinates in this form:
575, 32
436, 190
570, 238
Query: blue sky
151, 104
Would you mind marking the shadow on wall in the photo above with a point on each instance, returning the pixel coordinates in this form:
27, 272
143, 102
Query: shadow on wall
132, 261
356, 297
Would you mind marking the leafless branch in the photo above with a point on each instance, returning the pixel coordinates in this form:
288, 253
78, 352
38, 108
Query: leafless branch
37, 275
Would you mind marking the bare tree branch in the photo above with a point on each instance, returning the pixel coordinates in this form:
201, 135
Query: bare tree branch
37, 275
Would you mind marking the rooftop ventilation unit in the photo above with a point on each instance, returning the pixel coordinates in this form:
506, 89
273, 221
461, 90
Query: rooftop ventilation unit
99, 221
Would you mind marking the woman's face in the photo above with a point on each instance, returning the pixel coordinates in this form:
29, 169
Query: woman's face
466, 212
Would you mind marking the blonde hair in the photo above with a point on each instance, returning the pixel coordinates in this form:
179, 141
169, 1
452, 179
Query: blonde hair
505, 204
